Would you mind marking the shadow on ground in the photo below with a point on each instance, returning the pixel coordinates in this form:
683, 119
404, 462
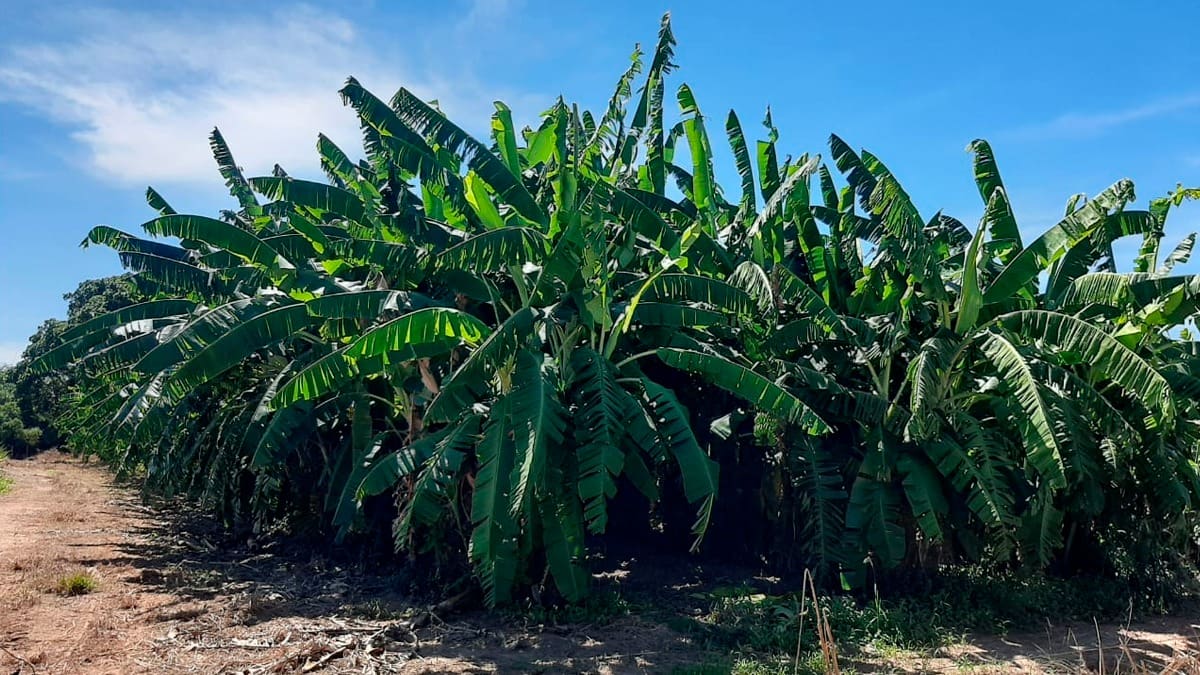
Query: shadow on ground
223, 605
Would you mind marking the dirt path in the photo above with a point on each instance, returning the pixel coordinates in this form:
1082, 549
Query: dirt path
167, 599
62, 520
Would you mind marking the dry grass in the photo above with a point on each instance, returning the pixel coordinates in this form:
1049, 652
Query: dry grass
829, 651
186, 613
1134, 658
20, 598
253, 607
24, 564
54, 575
68, 516
1127, 649
1128, 656
102, 626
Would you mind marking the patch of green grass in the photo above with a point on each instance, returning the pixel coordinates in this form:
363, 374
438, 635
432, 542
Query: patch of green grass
979, 600
742, 621
79, 583
600, 607
760, 631
810, 664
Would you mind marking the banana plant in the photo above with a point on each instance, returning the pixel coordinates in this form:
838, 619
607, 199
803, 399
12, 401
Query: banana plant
494, 332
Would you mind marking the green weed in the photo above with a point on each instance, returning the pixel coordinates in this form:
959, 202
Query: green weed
810, 664
79, 583
763, 629
598, 608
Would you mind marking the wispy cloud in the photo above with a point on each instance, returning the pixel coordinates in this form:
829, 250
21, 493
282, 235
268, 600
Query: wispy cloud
1089, 125
140, 91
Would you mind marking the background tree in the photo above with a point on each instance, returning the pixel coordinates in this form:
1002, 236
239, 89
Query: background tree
42, 397
15, 438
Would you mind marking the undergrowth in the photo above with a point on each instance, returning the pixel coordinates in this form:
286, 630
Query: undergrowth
5, 482
599, 608
759, 631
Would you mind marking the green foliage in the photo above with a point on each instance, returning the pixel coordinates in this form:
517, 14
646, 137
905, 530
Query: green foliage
43, 397
500, 338
599, 608
79, 583
5, 481
812, 665
10, 414
15, 437
763, 629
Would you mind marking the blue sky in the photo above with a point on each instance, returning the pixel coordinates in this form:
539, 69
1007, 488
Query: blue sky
100, 99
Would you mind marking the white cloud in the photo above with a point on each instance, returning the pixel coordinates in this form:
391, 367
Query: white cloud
10, 352
1087, 125
140, 91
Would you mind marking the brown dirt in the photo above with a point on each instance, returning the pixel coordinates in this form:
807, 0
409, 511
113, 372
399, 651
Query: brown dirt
62, 519
173, 595
170, 600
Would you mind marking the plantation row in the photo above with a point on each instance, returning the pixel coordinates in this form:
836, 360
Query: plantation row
495, 347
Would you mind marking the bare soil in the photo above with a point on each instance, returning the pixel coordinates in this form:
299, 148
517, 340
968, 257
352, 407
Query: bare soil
172, 596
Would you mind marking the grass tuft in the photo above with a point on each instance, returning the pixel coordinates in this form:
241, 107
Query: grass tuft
80, 583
